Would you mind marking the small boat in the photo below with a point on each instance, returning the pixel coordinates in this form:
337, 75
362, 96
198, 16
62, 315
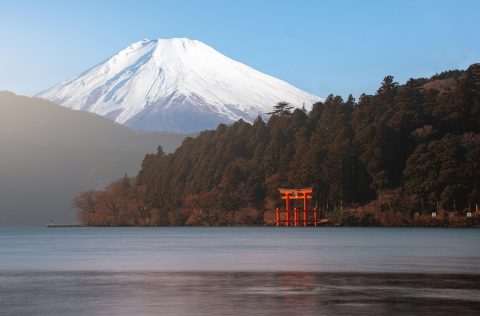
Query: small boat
51, 225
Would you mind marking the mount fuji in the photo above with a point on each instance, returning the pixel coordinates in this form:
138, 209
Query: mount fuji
178, 84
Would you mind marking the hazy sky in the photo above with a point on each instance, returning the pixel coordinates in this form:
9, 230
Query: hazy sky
320, 46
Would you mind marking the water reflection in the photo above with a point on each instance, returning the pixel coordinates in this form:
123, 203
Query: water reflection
230, 293
333, 271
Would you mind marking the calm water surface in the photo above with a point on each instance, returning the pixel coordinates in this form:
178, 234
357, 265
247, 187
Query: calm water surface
239, 271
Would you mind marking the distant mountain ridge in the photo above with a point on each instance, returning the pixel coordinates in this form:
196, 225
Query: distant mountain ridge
50, 153
175, 84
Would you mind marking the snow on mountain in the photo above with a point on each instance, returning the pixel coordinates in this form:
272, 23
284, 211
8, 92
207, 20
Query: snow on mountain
177, 85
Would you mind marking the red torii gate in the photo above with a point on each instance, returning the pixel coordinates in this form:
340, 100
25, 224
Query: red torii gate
296, 194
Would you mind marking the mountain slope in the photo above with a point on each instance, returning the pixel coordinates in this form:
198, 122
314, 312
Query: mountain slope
174, 85
49, 154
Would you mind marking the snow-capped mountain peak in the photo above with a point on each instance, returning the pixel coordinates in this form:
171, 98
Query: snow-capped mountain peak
176, 85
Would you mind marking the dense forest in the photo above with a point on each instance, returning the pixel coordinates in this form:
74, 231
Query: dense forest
388, 159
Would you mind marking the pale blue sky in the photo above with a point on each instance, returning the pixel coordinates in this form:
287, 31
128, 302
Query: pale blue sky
320, 46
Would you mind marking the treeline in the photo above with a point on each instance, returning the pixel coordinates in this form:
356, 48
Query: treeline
402, 153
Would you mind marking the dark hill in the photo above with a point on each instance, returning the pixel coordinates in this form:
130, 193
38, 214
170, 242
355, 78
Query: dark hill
49, 154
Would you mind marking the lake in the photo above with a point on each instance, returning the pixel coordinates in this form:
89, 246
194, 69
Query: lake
239, 271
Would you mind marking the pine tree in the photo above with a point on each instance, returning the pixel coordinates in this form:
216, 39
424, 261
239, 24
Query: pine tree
281, 109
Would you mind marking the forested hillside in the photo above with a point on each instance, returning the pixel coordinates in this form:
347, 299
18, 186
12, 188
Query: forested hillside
407, 150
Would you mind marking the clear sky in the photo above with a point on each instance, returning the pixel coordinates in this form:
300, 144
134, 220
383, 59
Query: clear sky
323, 47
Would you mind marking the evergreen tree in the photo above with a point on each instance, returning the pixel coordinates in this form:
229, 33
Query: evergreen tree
281, 109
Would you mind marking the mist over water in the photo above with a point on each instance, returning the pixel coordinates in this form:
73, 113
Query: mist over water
239, 271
